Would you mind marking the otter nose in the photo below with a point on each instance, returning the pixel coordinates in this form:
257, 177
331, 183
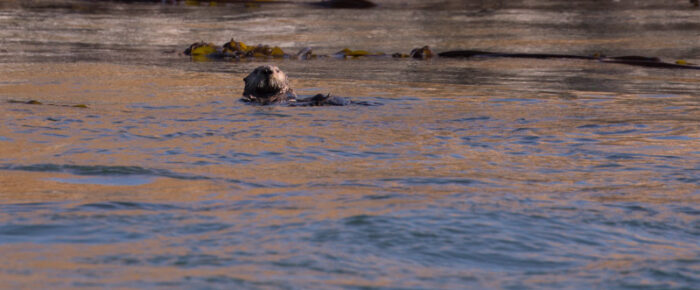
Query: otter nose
267, 71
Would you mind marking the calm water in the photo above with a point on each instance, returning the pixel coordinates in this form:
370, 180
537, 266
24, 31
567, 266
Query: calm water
482, 173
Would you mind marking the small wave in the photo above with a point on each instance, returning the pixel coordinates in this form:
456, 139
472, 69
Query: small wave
151, 107
472, 119
432, 180
107, 180
102, 170
127, 205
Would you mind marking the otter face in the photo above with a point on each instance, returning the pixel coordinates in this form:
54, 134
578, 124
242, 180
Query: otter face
265, 82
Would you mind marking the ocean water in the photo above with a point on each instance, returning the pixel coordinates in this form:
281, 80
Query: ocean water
141, 169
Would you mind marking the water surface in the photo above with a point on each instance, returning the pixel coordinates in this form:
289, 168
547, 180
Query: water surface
480, 173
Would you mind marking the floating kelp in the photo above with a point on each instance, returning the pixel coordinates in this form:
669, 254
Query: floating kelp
30, 102
648, 62
346, 52
203, 51
630, 60
305, 53
240, 49
253, 3
35, 102
233, 49
354, 4
422, 53
479, 53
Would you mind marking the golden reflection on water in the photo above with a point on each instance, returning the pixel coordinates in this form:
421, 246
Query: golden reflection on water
129, 131
416, 146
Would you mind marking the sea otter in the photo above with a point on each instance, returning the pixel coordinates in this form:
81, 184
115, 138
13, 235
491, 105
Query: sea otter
268, 84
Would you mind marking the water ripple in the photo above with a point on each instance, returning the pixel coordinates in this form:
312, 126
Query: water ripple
100, 170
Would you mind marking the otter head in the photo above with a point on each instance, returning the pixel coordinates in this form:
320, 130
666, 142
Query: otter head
266, 84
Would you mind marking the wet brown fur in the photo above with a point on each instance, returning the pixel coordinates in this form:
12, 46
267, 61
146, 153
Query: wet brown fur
266, 85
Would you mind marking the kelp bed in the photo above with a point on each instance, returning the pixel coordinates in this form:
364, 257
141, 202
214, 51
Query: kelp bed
238, 50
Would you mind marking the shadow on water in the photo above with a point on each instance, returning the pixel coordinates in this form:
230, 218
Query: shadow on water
98, 170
